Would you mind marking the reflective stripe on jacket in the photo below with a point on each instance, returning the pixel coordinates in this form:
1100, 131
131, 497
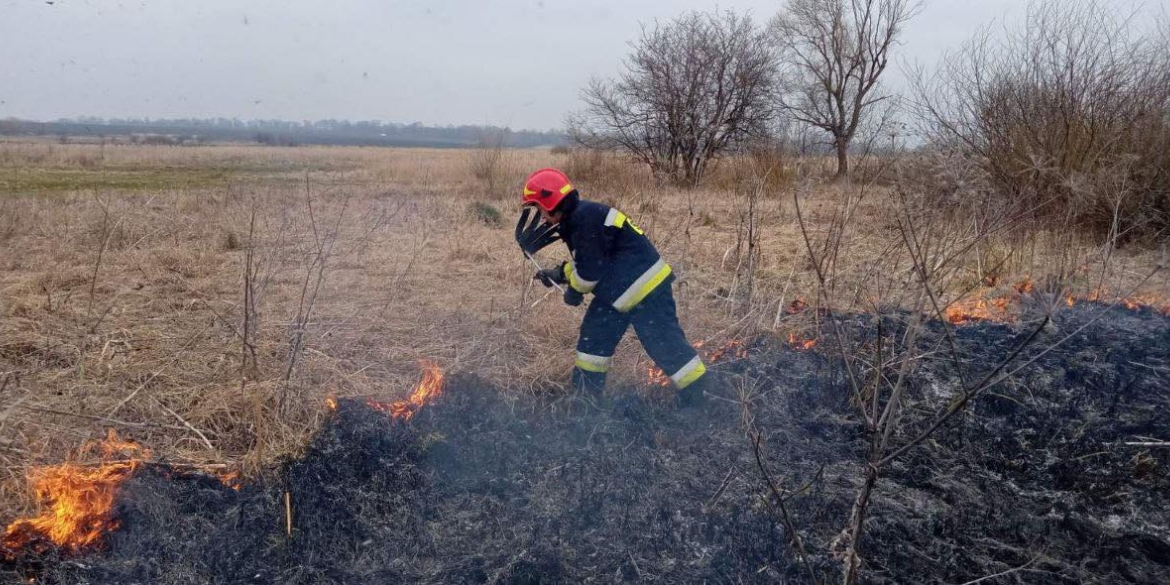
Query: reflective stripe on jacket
612, 257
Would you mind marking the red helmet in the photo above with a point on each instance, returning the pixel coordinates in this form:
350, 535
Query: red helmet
546, 188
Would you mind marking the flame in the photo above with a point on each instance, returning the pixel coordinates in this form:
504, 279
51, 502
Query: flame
1135, 302
735, 348
732, 349
78, 499
331, 403
428, 389
800, 344
979, 309
231, 479
658, 378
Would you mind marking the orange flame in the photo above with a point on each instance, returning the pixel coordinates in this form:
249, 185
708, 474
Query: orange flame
78, 499
428, 389
800, 344
736, 348
1135, 302
733, 349
231, 479
997, 309
979, 309
331, 403
657, 377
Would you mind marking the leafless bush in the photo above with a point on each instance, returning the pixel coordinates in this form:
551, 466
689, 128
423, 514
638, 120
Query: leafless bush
1069, 117
692, 90
605, 173
834, 54
488, 161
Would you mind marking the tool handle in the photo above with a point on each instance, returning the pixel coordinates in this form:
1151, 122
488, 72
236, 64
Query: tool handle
539, 267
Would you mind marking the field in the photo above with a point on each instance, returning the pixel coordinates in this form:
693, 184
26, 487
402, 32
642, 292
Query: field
206, 301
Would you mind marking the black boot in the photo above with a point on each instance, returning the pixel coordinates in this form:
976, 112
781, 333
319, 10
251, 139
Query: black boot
591, 384
695, 394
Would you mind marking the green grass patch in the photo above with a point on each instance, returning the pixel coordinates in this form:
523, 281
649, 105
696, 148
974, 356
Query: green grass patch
45, 180
485, 213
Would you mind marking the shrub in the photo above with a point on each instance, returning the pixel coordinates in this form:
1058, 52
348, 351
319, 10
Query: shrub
485, 213
1069, 119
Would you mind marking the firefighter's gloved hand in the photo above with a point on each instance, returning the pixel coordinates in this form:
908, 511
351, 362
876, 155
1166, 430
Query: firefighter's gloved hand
572, 297
550, 276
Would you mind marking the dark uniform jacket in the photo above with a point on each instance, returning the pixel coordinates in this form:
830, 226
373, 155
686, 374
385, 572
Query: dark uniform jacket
612, 258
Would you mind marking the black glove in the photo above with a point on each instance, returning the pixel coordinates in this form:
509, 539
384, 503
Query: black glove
572, 297
550, 276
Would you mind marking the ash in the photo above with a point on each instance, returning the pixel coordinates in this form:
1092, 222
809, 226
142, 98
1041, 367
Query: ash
479, 489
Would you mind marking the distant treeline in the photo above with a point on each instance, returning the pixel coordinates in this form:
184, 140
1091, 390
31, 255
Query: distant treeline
280, 132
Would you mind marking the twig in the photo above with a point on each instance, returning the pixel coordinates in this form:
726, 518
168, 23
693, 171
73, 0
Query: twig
1148, 444
179, 355
797, 542
986, 383
288, 513
106, 419
1003, 573
722, 487
185, 423
1155, 368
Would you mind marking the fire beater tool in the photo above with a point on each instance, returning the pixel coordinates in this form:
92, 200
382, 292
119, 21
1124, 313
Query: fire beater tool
533, 234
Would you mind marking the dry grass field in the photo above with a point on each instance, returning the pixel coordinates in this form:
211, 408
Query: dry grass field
206, 300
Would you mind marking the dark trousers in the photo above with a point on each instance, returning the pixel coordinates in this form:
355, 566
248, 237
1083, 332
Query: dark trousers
655, 321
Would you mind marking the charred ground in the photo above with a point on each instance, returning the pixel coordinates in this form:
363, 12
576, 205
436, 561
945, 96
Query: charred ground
477, 488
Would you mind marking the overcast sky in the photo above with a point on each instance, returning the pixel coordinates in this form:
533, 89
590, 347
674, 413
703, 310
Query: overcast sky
519, 63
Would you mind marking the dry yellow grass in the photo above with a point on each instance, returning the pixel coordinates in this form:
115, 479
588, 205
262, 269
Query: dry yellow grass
121, 305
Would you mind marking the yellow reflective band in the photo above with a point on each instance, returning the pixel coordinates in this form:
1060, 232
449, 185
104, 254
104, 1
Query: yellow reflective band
615, 218
565, 190
593, 363
687, 374
642, 287
579, 284
527, 192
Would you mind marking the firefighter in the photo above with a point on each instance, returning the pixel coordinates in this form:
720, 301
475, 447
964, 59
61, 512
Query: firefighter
613, 260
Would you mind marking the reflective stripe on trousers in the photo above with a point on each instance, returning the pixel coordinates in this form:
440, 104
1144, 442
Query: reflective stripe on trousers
593, 363
643, 286
656, 322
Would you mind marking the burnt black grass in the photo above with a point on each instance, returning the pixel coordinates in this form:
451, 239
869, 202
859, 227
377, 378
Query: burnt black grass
477, 488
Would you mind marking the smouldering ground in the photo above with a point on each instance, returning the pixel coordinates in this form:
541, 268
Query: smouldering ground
1041, 481
123, 271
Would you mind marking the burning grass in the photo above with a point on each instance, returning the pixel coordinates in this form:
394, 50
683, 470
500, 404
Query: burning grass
427, 390
78, 500
1002, 307
212, 321
478, 488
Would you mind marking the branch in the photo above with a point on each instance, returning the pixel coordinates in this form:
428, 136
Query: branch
797, 542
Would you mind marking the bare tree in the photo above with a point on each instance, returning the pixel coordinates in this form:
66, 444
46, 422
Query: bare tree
692, 89
1067, 113
834, 53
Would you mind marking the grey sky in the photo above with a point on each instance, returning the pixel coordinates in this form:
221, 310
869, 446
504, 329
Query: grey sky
520, 63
